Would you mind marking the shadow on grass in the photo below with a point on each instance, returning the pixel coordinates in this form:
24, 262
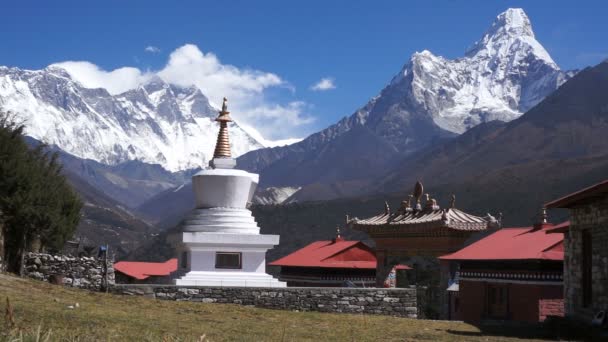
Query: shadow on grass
539, 332
553, 329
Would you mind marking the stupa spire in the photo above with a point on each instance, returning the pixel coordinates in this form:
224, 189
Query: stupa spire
222, 158
222, 147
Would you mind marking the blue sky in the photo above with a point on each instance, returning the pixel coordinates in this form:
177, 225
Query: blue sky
359, 45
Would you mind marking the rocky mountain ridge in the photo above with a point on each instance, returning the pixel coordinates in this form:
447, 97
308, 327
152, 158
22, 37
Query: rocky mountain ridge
157, 123
431, 100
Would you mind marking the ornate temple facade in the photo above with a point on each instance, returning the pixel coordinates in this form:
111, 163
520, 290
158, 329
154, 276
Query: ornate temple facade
419, 228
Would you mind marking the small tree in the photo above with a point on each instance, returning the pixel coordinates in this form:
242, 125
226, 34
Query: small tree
35, 198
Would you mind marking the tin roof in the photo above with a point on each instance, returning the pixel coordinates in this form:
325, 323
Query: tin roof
526, 243
142, 270
337, 253
589, 193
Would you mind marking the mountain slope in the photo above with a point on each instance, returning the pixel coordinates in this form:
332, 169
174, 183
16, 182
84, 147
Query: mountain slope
555, 148
104, 221
569, 124
157, 123
430, 100
129, 183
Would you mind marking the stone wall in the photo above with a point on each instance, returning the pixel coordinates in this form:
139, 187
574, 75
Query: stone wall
394, 302
594, 218
82, 272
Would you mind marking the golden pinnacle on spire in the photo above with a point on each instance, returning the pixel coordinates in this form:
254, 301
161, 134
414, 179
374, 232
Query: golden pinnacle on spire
222, 147
453, 201
224, 113
418, 191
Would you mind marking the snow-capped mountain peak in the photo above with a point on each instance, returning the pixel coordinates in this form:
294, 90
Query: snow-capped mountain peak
510, 31
513, 21
431, 99
501, 76
157, 123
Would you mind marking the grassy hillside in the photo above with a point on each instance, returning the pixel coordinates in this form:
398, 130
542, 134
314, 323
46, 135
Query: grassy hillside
41, 309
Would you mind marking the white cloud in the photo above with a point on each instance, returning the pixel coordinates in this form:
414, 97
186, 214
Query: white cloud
266, 142
325, 83
116, 81
245, 88
152, 49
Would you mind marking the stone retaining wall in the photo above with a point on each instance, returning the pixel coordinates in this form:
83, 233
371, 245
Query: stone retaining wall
593, 218
394, 302
82, 272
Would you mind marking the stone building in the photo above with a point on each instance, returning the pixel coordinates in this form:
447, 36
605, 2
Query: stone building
586, 251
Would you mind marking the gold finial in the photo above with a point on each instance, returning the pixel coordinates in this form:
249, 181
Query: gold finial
453, 201
224, 113
222, 147
338, 232
224, 105
387, 209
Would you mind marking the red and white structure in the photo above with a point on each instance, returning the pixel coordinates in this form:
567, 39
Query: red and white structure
332, 263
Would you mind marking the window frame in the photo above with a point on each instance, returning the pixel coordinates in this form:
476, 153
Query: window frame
228, 267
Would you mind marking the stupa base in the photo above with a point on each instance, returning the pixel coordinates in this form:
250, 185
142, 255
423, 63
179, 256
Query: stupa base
228, 279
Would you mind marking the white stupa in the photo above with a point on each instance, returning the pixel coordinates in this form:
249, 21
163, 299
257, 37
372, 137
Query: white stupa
220, 243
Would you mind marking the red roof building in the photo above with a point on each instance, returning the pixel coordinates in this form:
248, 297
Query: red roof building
330, 263
512, 274
144, 272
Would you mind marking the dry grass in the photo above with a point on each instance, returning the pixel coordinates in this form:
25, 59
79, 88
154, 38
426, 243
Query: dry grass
42, 312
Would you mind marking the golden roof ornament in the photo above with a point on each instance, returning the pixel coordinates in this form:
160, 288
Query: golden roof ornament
387, 209
418, 191
453, 202
222, 147
403, 207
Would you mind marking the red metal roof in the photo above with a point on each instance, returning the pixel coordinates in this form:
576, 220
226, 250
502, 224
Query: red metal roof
515, 244
559, 228
599, 189
142, 270
338, 253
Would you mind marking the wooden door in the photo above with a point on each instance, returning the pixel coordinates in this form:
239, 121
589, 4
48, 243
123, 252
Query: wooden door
496, 304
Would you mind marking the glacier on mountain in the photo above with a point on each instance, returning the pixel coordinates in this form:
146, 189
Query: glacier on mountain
500, 77
429, 101
157, 123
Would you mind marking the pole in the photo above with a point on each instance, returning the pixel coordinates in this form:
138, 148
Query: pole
105, 266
